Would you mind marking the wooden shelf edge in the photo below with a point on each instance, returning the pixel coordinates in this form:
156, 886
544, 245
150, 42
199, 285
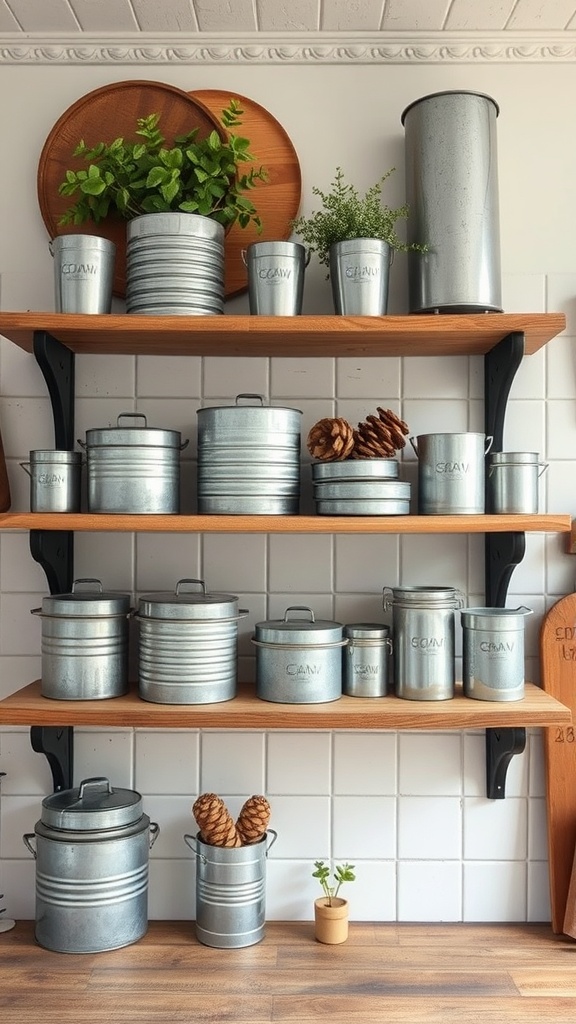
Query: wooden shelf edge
572, 539
246, 711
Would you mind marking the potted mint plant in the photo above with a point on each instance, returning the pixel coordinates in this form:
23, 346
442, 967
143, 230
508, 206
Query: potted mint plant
330, 909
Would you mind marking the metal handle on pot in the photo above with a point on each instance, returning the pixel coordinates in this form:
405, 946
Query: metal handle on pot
27, 839
179, 588
25, 468
387, 598
248, 394
489, 443
414, 445
299, 608
543, 464
88, 787
87, 579
188, 839
154, 833
131, 416
273, 833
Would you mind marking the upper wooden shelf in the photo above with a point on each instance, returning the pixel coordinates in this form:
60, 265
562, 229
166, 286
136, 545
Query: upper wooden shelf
296, 336
87, 522
246, 711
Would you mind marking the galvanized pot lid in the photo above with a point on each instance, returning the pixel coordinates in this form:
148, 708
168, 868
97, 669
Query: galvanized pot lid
366, 630
183, 603
93, 805
86, 603
513, 458
500, 619
145, 436
257, 411
55, 455
298, 631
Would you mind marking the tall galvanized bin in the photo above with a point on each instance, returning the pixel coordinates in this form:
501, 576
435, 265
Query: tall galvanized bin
452, 193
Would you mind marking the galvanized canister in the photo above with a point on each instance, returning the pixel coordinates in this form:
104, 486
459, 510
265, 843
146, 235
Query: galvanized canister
299, 660
493, 652
359, 275
55, 478
451, 473
423, 638
133, 468
366, 659
83, 273
230, 891
84, 643
188, 644
174, 265
512, 482
91, 847
352, 470
452, 196
275, 277
249, 458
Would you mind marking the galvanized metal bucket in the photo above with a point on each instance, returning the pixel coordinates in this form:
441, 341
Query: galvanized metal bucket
366, 659
91, 848
188, 642
423, 637
83, 273
452, 195
451, 473
359, 275
133, 469
299, 661
174, 265
512, 482
55, 480
230, 891
84, 643
493, 652
275, 277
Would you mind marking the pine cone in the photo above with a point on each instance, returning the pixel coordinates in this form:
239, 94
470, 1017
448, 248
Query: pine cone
253, 819
216, 826
331, 439
398, 427
379, 436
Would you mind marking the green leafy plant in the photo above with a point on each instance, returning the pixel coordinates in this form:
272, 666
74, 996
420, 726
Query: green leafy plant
347, 214
342, 873
144, 176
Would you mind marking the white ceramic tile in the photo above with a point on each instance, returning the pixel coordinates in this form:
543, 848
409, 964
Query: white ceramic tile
440, 561
532, 623
537, 829
16, 672
561, 298
105, 376
537, 783
372, 896
290, 890
19, 888
19, 630
475, 769
226, 378
234, 562
162, 559
350, 608
361, 563
365, 764
107, 753
560, 490
256, 605
298, 763
300, 563
168, 376
429, 828
21, 375
108, 557
27, 773
528, 577
429, 891
524, 427
364, 826
174, 816
232, 763
530, 379
561, 363
495, 829
495, 891
27, 424
16, 289
561, 429
321, 604
476, 377
429, 764
439, 416
167, 762
476, 416
539, 892
303, 827
360, 378
524, 293
173, 414
19, 483
19, 815
435, 377
475, 564
18, 570
172, 891
311, 378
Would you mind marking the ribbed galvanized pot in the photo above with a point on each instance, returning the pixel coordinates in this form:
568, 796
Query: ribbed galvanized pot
230, 892
299, 661
91, 847
493, 652
423, 638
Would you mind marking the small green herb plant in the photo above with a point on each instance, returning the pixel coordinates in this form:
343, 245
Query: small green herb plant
342, 873
194, 175
347, 214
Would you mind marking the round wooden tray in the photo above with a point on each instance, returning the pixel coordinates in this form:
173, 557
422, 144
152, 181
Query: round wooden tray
278, 199
104, 115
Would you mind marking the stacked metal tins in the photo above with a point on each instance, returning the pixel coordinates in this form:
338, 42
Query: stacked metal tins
299, 660
188, 643
174, 264
360, 487
249, 458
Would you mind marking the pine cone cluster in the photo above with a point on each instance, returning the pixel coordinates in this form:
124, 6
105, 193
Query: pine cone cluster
333, 439
217, 827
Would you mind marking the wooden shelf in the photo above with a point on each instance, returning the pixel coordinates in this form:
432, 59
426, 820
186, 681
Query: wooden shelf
89, 523
246, 711
296, 336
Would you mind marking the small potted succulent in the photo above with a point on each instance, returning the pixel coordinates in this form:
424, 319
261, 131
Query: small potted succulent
330, 909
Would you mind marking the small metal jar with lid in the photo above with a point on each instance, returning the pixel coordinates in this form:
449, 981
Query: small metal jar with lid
299, 661
512, 482
366, 659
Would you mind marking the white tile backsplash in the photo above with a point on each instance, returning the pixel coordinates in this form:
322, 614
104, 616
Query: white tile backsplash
365, 763
429, 828
429, 764
495, 891
298, 762
495, 829
364, 826
232, 763
429, 890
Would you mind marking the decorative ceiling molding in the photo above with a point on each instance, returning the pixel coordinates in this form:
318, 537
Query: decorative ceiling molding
287, 48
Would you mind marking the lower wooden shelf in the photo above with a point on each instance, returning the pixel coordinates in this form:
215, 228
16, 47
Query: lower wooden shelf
246, 711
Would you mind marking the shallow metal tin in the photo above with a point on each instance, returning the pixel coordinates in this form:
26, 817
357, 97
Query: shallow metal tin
354, 469
94, 804
184, 603
362, 507
360, 490
245, 505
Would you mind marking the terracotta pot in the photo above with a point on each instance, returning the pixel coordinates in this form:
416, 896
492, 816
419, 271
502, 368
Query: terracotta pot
331, 922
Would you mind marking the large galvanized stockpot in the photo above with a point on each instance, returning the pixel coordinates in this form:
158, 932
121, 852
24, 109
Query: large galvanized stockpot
133, 469
299, 661
249, 458
188, 641
84, 643
91, 848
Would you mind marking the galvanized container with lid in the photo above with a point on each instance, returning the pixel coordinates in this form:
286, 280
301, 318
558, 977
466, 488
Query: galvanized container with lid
366, 659
84, 643
133, 468
512, 482
423, 637
188, 640
249, 458
91, 847
55, 477
493, 652
299, 661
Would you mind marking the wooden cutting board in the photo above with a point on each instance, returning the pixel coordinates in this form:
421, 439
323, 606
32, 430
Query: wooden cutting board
558, 660
4, 485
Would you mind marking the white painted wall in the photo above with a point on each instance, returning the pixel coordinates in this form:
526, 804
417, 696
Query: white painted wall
408, 809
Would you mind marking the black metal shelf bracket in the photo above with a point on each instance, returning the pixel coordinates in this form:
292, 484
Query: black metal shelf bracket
54, 550
502, 551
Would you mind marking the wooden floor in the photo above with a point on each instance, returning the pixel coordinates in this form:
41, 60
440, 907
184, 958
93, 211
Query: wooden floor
390, 973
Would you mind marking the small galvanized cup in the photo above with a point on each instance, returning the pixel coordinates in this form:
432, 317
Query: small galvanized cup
54, 480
